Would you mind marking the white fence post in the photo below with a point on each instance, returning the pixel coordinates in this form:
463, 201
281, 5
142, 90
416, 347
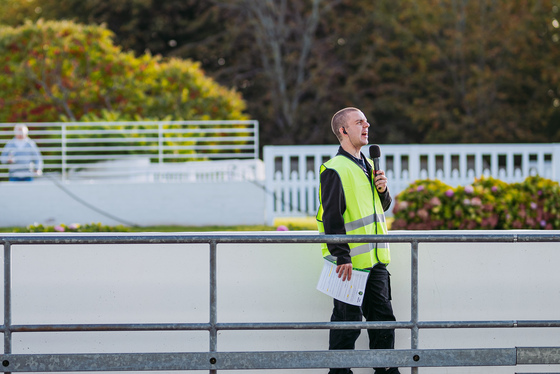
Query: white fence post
555, 167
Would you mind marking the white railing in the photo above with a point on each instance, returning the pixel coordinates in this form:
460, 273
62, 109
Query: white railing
292, 171
138, 150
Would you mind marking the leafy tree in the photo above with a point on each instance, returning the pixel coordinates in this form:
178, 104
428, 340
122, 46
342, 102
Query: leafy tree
453, 70
285, 34
160, 27
54, 70
210, 32
15, 12
431, 71
435, 71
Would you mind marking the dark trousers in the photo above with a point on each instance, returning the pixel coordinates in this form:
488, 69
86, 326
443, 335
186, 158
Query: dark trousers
375, 307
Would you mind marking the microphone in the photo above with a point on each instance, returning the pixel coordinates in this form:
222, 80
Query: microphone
374, 154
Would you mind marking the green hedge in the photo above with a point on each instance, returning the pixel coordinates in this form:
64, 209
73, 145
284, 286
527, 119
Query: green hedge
487, 204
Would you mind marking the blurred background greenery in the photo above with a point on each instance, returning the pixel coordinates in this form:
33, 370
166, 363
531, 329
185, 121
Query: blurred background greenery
423, 71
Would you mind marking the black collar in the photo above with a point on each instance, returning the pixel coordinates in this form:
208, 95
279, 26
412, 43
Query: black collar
362, 163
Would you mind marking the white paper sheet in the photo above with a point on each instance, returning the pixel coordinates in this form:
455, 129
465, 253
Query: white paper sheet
351, 292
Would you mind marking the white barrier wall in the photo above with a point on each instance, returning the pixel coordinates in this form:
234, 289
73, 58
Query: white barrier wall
143, 204
70, 284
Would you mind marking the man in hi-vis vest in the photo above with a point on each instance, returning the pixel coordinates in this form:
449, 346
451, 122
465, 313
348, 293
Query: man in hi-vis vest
353, 198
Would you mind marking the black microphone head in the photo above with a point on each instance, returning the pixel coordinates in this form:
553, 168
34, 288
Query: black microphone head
374, 151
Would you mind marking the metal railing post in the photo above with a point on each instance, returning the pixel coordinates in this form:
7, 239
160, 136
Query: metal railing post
213, 302
7, 298
414, 299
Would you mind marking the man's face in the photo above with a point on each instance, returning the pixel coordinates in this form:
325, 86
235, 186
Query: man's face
20, 132
357, 128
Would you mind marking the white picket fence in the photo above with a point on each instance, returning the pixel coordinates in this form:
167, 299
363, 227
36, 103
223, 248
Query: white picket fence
292, 176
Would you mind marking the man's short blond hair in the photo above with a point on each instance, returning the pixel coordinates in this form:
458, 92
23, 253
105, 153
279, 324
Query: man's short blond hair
339, 120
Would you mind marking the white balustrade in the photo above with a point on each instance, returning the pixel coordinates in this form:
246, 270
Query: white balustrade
142, 151
454, 164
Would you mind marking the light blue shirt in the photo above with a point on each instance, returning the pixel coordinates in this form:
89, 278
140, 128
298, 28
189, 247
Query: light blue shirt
25, 156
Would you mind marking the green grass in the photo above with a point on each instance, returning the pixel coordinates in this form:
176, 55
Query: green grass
200, 228
9, 229
167, 229
292, 223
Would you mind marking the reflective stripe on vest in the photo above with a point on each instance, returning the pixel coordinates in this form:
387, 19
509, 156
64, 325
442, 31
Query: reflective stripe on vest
361, 216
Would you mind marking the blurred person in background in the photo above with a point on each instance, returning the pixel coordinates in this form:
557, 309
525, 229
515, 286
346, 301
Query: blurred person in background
22, 156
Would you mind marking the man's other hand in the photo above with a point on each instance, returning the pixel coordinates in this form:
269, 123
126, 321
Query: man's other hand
344, 271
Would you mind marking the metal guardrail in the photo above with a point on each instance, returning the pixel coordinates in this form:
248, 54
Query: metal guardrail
117, 149
214, 360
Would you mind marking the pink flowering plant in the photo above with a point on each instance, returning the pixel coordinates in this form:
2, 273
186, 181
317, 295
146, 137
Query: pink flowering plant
420, 206
535, 204
73, 227
487, 203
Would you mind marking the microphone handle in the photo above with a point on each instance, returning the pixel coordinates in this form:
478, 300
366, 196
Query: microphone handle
375, 164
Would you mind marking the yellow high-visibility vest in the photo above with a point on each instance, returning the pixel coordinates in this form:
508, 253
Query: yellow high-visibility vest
364, 213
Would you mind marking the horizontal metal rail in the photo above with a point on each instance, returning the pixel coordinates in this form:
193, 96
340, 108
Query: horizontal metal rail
187, 238
214, 360
281, 326
258, 360
67, 146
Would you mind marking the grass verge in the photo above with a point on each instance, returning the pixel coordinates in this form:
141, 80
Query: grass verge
292, 224
285, 223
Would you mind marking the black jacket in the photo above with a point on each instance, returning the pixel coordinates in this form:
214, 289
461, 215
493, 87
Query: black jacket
334, 206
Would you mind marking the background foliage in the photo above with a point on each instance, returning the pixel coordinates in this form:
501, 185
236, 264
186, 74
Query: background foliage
56, 70
423, 71
486, 204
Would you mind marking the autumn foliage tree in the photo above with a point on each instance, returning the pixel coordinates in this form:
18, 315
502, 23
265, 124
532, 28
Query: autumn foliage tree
62, 70
423, 71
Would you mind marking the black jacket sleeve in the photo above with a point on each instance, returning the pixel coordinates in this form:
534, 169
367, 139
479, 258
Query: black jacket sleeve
334, 206
386, 199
